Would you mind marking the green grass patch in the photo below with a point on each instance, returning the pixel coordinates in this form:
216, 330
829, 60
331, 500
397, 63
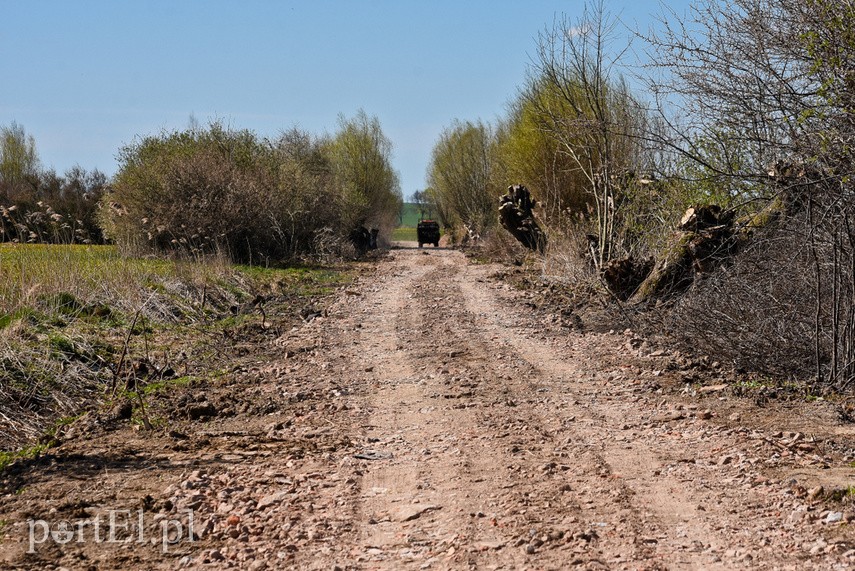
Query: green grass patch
409, 215
28, 453
479, 259
64, 421
77, 281
292, 274
404, 234
62, 345
303, 281
29, 314
21, 375
68, 279
750, 384
157, 387
63, 303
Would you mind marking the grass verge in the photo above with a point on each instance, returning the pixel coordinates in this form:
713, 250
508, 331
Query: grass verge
82, 325
404, 234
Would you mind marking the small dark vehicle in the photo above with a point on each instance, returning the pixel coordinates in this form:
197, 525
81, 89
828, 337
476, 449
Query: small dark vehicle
428, 232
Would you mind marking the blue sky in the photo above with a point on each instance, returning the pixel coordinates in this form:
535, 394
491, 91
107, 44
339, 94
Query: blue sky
86, 77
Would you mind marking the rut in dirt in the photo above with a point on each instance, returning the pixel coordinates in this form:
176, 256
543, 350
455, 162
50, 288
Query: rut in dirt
429, 419
475, 446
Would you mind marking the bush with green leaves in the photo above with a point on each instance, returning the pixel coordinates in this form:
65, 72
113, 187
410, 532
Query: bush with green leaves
226, 191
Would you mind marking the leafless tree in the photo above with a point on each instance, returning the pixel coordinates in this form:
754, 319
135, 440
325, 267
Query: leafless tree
759, 95
586, 106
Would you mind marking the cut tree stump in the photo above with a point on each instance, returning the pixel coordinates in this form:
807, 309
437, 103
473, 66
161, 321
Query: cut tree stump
515, 216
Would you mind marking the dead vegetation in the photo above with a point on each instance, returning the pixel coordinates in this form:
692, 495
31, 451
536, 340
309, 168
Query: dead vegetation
103, 330
721, 213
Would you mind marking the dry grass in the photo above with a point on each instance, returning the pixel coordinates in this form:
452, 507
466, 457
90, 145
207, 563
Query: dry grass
564, 262
75, 320
499, 246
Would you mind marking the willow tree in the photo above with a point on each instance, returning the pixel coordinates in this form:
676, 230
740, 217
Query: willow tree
360, 158
460, 175
578, 98
19, 162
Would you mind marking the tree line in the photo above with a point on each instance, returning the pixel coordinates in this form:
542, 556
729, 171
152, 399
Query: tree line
39, 205
211, 190
743, 108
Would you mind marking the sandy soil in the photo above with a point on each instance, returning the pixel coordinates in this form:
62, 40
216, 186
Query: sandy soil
431, 420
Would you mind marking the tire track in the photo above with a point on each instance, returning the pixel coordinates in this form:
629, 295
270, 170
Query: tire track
498, 447
656, 507
439, 402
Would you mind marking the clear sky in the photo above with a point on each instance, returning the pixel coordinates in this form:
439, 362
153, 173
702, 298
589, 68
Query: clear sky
85, 77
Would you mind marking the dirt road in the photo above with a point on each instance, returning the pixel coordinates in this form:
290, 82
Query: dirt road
432, 420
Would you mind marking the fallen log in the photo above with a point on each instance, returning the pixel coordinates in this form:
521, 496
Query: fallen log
623, 275
705, 237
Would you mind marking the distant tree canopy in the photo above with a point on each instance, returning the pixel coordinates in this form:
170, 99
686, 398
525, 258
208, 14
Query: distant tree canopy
461, 175
424, 202
258, 201
19, 162
38, 205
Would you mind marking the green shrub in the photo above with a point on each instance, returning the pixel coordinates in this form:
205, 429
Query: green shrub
224, 191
